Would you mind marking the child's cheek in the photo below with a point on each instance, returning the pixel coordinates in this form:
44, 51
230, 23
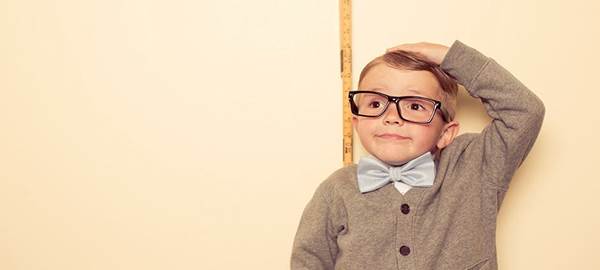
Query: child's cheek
422, 136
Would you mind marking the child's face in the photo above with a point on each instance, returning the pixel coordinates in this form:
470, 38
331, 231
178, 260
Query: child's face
374, 132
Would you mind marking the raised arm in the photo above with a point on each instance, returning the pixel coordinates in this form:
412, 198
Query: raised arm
516, 112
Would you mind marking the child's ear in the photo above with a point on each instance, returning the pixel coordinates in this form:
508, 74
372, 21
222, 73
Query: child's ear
448, 134
354, 120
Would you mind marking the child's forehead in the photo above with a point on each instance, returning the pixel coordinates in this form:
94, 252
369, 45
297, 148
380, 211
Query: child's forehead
392, 92
395, 81
434, 93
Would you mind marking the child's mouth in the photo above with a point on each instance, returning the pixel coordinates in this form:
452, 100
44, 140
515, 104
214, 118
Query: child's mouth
390, 136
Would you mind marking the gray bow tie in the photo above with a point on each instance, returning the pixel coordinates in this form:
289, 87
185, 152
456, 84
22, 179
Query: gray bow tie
373, 174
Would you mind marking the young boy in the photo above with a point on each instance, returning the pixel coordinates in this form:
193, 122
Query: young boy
424, 198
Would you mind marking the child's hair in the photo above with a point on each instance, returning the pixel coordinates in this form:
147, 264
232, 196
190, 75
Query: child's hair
411, 61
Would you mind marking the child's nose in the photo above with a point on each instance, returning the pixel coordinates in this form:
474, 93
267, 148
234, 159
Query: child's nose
392, 115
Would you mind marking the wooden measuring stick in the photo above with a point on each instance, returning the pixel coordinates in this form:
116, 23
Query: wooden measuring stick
346, 73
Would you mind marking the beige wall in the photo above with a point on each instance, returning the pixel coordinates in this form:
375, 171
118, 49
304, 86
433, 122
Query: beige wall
176, 134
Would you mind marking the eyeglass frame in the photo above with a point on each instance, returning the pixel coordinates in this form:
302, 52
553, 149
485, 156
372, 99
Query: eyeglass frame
395, 99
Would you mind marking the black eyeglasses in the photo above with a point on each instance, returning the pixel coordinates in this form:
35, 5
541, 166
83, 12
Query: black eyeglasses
415, 109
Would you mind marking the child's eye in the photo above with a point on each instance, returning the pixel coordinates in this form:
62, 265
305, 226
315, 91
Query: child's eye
416, 106
374, 104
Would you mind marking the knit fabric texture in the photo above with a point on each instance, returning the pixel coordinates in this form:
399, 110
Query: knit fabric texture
450, 225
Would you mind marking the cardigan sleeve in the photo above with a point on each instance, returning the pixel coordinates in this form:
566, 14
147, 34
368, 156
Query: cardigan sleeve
315, 244
516, 112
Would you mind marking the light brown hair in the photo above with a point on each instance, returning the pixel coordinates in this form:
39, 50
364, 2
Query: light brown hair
411, 61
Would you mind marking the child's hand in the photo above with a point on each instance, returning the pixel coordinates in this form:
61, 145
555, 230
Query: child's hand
431, 51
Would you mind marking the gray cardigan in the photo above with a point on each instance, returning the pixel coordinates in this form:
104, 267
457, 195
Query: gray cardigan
450, 225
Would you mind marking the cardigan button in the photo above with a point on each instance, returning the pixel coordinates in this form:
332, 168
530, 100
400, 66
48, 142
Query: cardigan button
404, 250
405, 209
